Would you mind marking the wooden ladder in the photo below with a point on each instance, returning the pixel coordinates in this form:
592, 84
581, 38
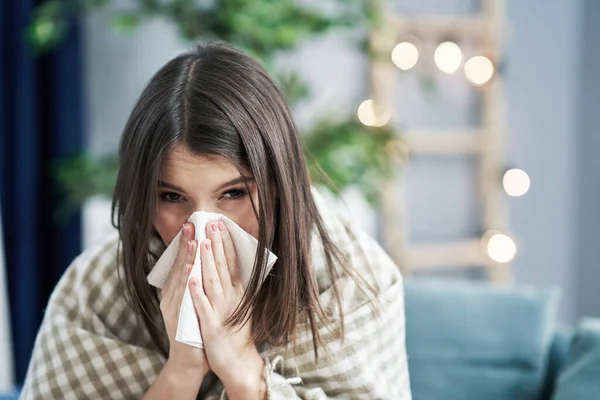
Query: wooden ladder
486, 142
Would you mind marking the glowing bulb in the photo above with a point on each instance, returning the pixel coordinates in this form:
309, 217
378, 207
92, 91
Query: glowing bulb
368, 115
500, 247
448, 57
516, 182
405, 55
479, 69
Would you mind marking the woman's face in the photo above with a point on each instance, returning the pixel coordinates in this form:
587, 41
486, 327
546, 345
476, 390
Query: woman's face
190, 183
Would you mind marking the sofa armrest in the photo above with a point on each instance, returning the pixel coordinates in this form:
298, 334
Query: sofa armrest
579, 377
559, 350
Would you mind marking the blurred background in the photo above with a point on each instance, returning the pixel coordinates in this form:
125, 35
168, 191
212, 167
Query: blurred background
462, 134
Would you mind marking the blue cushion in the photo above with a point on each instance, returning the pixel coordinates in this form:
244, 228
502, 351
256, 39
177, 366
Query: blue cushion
472, 341
580, 376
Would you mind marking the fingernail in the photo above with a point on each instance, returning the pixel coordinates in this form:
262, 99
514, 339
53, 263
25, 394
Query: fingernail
191, 246
185, 229
222, 226
207, 245
194, 282
188, 268
214, 227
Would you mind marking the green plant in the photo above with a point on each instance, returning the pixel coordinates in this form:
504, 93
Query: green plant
81, 176
261, 27
350, 153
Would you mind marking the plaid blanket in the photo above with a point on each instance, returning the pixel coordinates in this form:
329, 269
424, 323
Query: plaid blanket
91, 346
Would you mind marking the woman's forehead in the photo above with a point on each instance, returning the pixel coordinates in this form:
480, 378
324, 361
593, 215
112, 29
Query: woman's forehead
181, 156
182, 165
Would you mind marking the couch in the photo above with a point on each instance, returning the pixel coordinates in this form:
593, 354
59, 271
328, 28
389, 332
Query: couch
474, 341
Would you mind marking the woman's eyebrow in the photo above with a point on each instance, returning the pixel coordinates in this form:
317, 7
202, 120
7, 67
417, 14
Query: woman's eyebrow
168, 185
240, 179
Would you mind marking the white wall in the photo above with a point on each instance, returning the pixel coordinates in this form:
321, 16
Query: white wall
544, 57
117, 67
588, 184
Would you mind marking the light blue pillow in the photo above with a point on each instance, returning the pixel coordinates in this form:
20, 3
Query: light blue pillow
472, 341
580, 376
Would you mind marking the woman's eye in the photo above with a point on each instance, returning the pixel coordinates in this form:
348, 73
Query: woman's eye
234, 194
172, 197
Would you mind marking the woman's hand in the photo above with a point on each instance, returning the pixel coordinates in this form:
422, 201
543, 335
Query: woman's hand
231, 354
184, 360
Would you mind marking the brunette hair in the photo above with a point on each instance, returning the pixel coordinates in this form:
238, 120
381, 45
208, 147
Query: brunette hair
218, 101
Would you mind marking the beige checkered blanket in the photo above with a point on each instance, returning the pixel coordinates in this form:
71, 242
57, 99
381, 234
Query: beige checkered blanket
90, 345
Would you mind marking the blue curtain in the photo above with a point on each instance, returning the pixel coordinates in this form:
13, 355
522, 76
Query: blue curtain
41, 119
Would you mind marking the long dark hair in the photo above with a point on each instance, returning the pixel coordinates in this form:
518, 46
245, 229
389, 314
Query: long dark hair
216, 100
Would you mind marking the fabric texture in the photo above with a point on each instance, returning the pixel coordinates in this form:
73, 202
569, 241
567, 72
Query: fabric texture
580, 376
91, 346
471, 341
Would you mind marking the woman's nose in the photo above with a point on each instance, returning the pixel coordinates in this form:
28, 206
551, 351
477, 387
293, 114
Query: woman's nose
205, 206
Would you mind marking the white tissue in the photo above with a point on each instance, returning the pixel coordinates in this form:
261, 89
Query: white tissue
246, 247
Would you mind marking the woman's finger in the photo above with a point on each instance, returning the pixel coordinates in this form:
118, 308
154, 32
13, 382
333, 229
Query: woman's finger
210, 277
187, 233
230, 254
179, 290
177, 296
201, 303
214, 234
173, 271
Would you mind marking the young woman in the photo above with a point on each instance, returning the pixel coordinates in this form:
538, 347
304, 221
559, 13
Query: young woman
211, 131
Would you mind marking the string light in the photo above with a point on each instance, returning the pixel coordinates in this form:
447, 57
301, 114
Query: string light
370, 116
516, 182
499, 247
405, 55
479, 70
448, 57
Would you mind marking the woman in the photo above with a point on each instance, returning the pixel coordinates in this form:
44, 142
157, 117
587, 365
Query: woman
211, 131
